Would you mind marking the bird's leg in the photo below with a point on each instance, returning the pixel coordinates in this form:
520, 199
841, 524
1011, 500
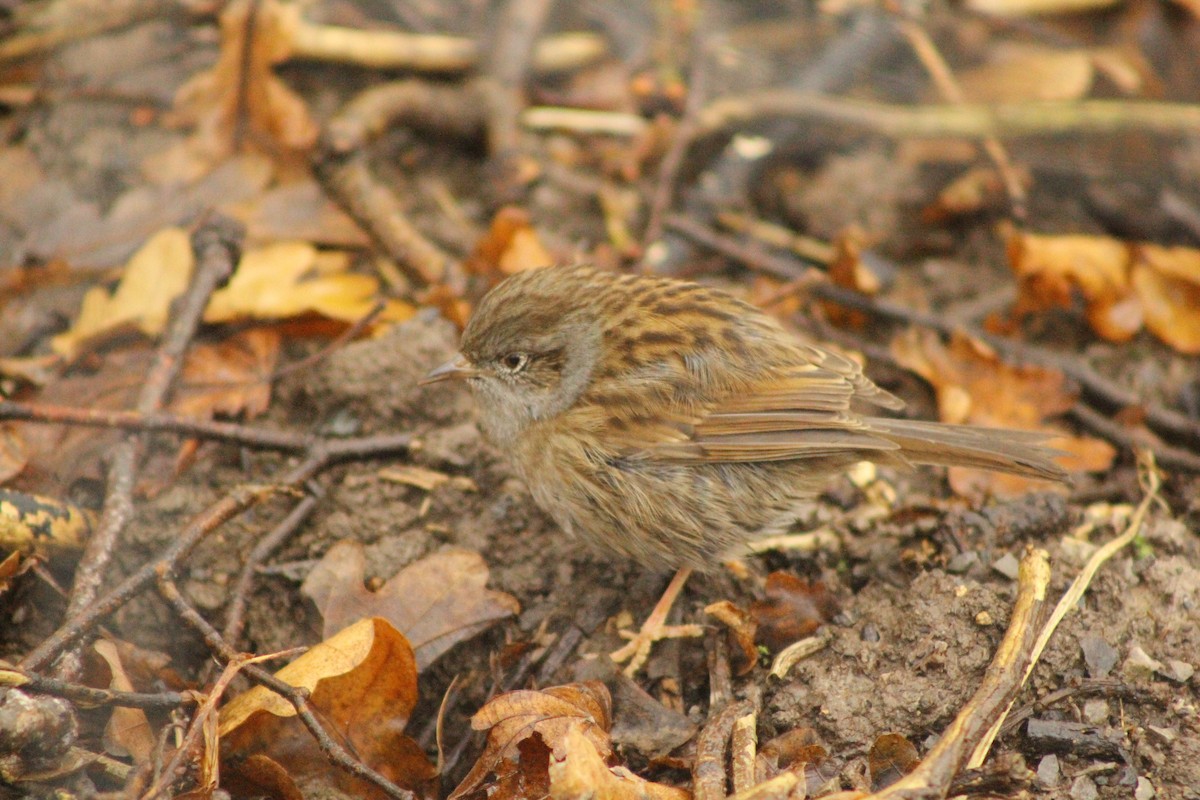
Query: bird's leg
655, 627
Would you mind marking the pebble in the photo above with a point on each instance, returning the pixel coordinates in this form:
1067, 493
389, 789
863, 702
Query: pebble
962, 562
1099, 655
1048, 771
1007, 565
1139, 664
1144, 790
1095, 711
1084, 788
1179, 671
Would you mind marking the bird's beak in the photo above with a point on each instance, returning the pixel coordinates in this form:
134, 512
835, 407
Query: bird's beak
456, 368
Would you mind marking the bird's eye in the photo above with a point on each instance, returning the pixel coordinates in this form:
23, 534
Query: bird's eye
515, 361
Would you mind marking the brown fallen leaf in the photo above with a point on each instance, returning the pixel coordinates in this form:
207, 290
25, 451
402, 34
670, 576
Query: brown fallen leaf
798, 750
742, 628
363, 687
527, 730
230, 377
1123, 284
793, 608
436, 602
890, 759
240, 102
582, 772
128, 732
510, 245
974, 386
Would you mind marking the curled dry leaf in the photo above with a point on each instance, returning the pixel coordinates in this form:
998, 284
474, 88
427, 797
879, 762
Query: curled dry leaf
794, 608
240, 101
742, 628
1123, 285
436, 602
891, 758
510, 245
528, 730
974, 386
583, 773
229, 377
363, 686
798, 750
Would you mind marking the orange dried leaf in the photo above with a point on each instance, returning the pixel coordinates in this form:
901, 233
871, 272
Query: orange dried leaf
155, 275
436, 602
550, 715
510, 245
230, 377
1167, 281
582, 772
1051, 268
742, 628
240, 101
363, 685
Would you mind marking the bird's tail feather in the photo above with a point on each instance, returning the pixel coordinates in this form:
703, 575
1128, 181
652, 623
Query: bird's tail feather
1016, 452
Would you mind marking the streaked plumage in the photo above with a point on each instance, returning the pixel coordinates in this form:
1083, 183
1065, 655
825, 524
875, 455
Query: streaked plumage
670, 422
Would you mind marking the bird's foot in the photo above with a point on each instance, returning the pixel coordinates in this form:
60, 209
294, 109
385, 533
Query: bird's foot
655, 628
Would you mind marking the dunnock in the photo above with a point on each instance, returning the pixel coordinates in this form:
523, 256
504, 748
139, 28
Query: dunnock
671, 422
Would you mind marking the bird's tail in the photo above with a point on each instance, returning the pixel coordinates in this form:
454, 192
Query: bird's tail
1016, 452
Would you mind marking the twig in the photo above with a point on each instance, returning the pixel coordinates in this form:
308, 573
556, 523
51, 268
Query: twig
995, 694
1075, 591
217, 243
320, 456
450, 110
339, 342
267, 545
246, 435
970, 120
950, 90
712, 746
298, 697
685, 132
349, 182
1167, 455
43, 27
87, 697
506, 70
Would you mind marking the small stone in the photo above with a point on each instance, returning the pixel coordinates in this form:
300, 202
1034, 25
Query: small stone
1179, 671
963, 562
983, 619
1168, 735
1095, 711
1139, 665
1007, 565
1099, 655
870, 633
1144, 790
1048, 771
1084, 788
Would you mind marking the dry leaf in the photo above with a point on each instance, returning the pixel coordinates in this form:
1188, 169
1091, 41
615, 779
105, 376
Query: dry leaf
793, 609
436, 602
155, 275
230, 377
1019, 72
240, 102
1123, 284
128, 732
582, 773
1167, 282
363, 685
510, 245
890, 759
742, 628
511, 760
974, 386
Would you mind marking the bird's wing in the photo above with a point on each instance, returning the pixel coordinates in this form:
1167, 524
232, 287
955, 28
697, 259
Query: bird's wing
802, 409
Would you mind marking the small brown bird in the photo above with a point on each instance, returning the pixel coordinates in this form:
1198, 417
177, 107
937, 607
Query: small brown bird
671, 423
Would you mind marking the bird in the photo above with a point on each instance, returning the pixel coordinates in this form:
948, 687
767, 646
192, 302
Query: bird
671, 423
